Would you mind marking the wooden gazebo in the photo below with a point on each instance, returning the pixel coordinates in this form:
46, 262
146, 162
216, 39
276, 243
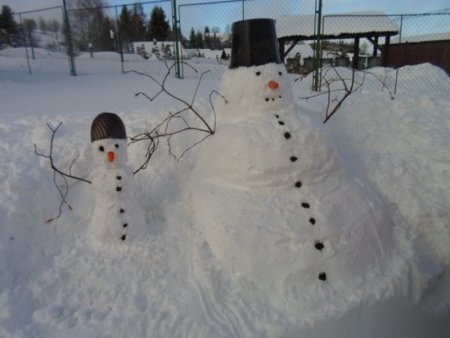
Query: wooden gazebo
372, 26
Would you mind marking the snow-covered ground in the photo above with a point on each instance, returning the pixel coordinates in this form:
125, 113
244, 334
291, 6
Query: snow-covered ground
53, 283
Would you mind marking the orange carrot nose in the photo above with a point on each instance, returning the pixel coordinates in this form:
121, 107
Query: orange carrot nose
273, 84
111, 156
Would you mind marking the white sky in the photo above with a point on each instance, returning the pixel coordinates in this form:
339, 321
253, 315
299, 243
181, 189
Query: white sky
330, 6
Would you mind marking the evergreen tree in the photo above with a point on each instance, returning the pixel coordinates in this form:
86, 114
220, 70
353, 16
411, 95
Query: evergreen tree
158, 27
29, 26
138, 28
54, 26
43, 25
199, 40
103, 39
8, 25
125, 27
207, 40
192, 39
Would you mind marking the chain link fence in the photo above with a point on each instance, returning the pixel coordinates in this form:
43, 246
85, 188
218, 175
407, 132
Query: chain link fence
197, 36
120, 35
35, 42
367, 42
206, 46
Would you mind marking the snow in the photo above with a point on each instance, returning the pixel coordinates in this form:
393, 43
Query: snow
387, 158
335, 24
422, 38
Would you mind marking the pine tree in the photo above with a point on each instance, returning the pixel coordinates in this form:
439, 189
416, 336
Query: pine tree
199, 40
54, 26
158, 27
192, 39
125, 26
29, 26
43, 26
8, 25
208, 41
138, 28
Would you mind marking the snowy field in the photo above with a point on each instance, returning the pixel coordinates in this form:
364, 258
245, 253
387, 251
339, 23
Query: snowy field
175, 281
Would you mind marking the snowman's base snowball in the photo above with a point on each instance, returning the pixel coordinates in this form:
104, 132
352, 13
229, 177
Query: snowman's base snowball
350, 254
314, 240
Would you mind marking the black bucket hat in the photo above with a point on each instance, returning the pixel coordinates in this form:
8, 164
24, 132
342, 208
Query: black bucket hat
254, 43
107, 125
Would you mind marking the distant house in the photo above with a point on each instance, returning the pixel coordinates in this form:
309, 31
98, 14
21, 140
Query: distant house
155, 50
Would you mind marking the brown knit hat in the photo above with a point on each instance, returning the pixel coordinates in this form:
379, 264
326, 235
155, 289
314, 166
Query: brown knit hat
107, 125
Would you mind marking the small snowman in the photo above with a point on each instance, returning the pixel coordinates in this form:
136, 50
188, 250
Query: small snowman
117, 217
275, 201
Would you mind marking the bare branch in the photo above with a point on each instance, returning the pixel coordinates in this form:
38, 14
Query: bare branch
50, 156
64, 190
383, 83
348, 86
166, 128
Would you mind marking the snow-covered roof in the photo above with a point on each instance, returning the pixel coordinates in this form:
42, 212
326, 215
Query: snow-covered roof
337, 25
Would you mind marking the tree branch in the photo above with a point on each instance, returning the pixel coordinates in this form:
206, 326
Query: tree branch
63, 192
348, 87
165, 129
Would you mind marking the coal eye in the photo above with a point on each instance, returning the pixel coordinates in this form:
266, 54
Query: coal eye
101, 148
116, 145
258, 73
280, 73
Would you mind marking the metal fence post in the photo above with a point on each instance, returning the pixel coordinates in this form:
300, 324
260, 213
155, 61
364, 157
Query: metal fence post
25, 43
176, 32
69, 40
317, 60
119, 37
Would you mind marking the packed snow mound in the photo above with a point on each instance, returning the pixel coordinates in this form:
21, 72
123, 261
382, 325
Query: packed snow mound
420, 78
279, 208
407, 80
411, 159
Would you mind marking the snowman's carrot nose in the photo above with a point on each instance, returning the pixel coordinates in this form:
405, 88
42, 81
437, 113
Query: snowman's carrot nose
111, 156
273, 84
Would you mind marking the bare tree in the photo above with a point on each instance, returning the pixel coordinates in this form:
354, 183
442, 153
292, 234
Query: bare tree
88, 22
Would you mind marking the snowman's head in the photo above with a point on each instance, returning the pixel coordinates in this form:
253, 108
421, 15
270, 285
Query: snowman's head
110, 153
109, 142
255, 91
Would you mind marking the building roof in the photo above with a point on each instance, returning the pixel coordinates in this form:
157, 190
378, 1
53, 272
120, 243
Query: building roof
337, 26
422, 38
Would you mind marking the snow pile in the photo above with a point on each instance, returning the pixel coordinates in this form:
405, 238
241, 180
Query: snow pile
401, 147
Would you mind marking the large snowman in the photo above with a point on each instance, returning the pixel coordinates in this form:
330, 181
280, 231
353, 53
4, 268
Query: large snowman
276, 203
118, 216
